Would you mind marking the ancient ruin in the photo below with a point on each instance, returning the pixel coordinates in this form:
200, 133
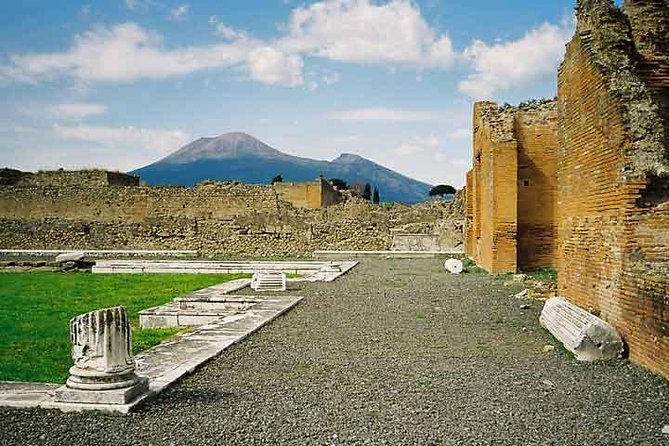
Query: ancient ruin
511, 187
104, 369
83, 210
599, 210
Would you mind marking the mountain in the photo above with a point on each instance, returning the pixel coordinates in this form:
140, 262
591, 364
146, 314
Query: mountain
240, 157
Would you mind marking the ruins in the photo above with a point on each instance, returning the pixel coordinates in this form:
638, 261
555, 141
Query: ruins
104, 369
511, 187
585, 187
84, 210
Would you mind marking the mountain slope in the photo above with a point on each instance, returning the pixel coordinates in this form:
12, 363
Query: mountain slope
240, 157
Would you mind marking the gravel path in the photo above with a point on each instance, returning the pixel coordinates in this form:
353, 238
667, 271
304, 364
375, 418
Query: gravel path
395, 352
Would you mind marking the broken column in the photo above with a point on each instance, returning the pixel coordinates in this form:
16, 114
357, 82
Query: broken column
104, 370
588, 337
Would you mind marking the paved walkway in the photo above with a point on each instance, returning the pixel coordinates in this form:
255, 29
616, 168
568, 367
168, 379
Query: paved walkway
395, 352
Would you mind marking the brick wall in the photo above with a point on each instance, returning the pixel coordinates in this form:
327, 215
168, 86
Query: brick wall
612, 196
537, 136
511, 188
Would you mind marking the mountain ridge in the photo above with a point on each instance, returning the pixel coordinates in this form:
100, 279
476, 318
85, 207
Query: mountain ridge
238, 156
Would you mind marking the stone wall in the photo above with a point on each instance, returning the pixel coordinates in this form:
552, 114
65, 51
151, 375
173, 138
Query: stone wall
316, 194
511, 188
72, 178
613, 173
214, 218
95, 202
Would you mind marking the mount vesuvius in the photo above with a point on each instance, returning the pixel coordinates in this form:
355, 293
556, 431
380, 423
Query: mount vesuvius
241, 157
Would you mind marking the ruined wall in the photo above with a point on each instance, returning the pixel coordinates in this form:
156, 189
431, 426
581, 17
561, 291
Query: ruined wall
613, 200
214, 218
470, 233
511, 188
536, 131
101, 203
494, 178
76, 178
313, 195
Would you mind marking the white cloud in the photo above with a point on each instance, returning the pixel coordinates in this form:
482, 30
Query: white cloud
180, 11
150, 141
506, 65
382, 114
227, 32
270, 66
123, 53
77, 110
364, 31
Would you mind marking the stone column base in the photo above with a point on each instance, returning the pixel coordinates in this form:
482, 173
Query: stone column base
124, 395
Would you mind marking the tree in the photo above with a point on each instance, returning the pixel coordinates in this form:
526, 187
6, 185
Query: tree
442, 189
367, 193
339, 184
376, 199
277, 179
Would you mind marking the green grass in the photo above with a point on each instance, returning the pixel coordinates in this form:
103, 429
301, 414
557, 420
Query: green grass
471, 267
543, 275
35, 310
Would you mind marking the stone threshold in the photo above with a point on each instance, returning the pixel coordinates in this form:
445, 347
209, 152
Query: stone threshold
165, 363
333, 254
312, 270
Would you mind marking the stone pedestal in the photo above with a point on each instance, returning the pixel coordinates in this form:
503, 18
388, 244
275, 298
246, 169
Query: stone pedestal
104, 370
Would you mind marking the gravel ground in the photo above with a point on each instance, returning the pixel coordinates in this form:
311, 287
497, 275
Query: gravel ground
395, 352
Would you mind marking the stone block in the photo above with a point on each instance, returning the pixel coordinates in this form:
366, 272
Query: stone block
268, 282
124, 395
588, 337
70, 257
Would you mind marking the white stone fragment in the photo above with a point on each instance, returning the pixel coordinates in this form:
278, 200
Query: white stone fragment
70, 257
588, 337
268, 281
454, 266
104, 370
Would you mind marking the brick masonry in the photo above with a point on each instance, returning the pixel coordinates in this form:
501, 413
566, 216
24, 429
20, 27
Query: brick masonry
613, 195
592, 180
511, 188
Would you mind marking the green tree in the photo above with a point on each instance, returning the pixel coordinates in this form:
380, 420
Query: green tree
277, 179
339, 184
367, 193
376, 198
442, 189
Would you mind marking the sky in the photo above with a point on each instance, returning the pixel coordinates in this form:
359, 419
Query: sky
118, 84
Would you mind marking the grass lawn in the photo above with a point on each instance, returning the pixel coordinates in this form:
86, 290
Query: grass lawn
35, 310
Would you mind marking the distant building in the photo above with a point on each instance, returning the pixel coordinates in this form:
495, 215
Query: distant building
313, 195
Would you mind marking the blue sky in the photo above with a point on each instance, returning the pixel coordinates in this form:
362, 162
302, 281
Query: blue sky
121, 83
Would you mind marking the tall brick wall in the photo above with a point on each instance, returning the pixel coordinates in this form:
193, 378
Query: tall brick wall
511, 188
612, 196
494, 189
537, 136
